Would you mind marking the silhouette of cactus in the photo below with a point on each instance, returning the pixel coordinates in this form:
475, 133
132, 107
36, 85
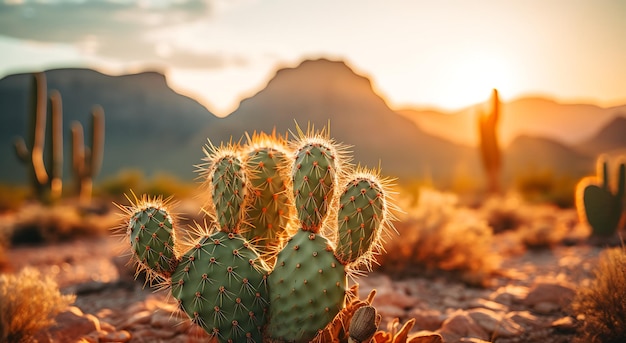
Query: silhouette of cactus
223, 282
86, 162
489, 147
600, 202
47, 185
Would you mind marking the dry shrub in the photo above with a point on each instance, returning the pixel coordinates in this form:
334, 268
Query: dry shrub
439, 235
503, 213
38, 224
603, 302
28, 303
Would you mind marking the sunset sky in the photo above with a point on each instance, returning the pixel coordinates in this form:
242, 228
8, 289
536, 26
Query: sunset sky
444, 54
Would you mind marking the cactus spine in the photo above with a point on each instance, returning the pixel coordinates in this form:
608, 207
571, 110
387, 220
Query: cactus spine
600, 202
48, 186
86, 162
256, 193
489, 147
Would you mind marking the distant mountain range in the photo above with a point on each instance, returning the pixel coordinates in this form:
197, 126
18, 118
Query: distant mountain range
150, 127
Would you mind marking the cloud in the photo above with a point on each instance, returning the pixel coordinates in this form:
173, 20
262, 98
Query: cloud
123, 30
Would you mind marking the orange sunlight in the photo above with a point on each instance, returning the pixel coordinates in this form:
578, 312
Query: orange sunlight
471, 78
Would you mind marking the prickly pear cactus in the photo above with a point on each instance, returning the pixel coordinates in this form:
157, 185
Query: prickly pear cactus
601, 204
309, 282
299, 207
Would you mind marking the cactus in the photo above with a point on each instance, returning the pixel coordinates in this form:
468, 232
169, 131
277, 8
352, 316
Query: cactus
220, 281
258, 192
489, 147
48, 185
601, 203
86, 162
308, 285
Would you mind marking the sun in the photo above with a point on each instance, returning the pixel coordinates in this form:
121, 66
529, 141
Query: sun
471, 78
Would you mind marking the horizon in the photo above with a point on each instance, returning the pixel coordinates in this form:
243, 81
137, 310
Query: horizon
445, 56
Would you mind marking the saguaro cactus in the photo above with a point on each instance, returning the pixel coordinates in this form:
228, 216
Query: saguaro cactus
489, 147
223, 283
600, 202
48, 185
86, 161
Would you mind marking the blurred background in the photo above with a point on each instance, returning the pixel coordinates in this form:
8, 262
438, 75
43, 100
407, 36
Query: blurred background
403, 82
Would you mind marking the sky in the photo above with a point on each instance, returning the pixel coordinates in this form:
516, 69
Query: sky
439, 54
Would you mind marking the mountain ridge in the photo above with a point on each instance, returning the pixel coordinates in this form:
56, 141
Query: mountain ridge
153, 128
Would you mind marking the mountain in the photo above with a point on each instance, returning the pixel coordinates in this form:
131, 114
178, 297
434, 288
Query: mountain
319, 92
152, 128
609, 139
533, 153
147, 125
567, 123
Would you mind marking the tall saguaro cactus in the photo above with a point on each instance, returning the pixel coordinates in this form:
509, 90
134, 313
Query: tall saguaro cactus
489, 146
86, 161
47, 184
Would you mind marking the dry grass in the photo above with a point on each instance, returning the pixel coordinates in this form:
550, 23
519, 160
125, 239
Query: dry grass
28, 303
35, 223
603, 302
440, 235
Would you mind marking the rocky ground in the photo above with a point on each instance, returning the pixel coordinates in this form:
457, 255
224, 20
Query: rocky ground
526, 302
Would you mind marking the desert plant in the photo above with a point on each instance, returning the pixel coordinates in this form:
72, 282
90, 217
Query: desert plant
47, 185
223, 282
600, 202
440, 235
603, 302
28, 303
86, 161
489, 147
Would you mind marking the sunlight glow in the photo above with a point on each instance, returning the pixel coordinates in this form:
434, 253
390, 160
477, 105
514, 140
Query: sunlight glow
472, 78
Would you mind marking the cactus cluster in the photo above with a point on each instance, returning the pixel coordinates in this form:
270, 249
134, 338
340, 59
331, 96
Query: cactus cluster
289, 223
600, 200
45, 160
489, 147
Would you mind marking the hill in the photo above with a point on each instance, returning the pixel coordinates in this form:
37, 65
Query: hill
320, 92
611, 138
566, 123
148, 125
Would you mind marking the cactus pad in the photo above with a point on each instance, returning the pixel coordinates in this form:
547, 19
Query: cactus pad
221, 285
152, 240
308, 288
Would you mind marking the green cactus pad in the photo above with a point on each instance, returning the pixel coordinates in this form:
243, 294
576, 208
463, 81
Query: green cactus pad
152, 240
222, 286
313, 178
602, 209
361, 211
228, 192
307, 288
267, 214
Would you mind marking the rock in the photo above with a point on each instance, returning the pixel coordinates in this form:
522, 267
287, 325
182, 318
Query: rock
138, 318
460, 325
426, 319
545, 292
565, 325
70, 326
494, 323
509, 295
488, 304
122, 336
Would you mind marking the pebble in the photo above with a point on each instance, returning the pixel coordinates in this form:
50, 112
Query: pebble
121, 336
